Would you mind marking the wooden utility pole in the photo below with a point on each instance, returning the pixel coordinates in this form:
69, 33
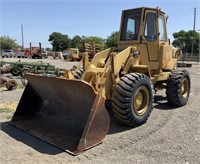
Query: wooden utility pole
22, 36
192, 50
199, 45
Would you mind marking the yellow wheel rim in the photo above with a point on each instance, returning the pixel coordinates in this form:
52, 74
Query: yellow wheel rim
140, 100
185, 87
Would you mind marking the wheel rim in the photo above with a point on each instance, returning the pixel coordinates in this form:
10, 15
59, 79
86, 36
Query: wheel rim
185, 88
140, 100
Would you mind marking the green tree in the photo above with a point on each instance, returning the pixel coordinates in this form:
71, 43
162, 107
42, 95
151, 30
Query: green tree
59, 41
8, 43
183, 40
77, 42
112, 40
48, 49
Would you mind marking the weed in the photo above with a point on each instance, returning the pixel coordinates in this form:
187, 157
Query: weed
8, 107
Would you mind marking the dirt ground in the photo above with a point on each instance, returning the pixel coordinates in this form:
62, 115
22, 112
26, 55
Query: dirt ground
171, 135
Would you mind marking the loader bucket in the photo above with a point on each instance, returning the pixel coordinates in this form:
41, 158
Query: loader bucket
66, 113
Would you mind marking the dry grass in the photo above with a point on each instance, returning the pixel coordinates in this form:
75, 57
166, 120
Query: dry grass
8, 107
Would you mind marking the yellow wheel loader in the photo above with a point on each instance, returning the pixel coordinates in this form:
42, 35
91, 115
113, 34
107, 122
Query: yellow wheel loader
69, 112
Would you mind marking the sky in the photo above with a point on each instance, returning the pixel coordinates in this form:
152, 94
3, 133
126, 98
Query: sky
84, 17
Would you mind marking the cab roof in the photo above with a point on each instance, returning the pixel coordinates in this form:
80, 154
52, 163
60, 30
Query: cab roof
146, 8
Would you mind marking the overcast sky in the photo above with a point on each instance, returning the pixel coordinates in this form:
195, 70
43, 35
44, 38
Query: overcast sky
84, 17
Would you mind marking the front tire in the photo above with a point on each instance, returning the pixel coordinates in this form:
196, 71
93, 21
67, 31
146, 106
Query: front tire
132, 99
178, 88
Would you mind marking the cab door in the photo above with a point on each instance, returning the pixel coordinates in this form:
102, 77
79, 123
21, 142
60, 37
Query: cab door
150, 35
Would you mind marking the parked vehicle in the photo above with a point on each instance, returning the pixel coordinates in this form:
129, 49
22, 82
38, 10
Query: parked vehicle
38, 52
7, 54
73, 54
23, 53
65, 54
58, 55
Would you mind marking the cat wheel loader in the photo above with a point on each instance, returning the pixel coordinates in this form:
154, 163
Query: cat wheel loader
69, 112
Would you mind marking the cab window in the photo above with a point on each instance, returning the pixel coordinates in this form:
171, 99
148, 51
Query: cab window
150, 33
131, 24
163, 36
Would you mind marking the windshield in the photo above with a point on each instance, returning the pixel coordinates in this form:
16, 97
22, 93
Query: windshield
130, 26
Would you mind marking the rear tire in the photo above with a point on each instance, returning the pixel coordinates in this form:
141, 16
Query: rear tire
78, 74
178, 88
132, 99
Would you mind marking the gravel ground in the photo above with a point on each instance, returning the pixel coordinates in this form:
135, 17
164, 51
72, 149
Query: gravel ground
171, 135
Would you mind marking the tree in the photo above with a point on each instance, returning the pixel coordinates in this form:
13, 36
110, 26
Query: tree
77, 42
59, 41
112, 40
8, 43
48, 49
183, 40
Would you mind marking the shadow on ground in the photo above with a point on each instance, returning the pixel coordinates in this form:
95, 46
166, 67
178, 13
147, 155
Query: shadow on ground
160, 103
29, 140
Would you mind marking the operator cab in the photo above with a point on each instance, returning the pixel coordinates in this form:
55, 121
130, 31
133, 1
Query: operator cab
142, 25
145, 30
